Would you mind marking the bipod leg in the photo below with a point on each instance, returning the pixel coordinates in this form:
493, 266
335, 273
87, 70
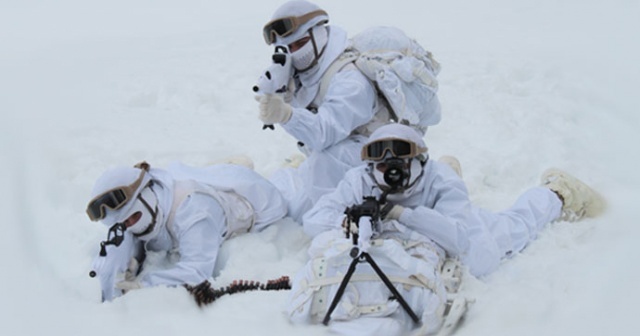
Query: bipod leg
340, 291
393, 290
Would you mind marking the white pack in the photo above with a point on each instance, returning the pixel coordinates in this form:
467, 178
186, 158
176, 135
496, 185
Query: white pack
402, 71
411, 267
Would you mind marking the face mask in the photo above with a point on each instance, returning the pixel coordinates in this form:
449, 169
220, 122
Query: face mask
307, 56
147, 226
403, 179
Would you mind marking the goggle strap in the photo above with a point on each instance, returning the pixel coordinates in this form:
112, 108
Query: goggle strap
315, 50
153, 217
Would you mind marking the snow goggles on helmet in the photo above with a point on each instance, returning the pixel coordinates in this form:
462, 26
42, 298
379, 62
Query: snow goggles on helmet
113, 199
398, 148
284, 27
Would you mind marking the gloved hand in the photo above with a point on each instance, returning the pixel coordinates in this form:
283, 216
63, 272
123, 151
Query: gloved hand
132, 270
392, 211
128, 285
273, 109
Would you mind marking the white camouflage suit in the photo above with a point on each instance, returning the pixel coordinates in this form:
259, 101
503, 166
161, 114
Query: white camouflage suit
334, 106
198, 209
226, 200
332, 124
328, 134
438, 221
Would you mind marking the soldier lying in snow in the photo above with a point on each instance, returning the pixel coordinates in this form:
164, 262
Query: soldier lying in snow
185, 211
424, 216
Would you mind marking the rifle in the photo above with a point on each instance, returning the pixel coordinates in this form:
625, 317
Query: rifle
368, 213
277, 76
112, 261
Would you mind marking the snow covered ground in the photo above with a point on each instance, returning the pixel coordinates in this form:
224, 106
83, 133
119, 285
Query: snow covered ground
525, 85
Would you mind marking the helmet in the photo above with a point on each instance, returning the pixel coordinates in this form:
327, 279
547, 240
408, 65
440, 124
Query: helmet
396, 155
294, 21
122, 192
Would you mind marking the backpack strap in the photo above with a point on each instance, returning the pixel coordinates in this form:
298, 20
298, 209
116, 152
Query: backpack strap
181, 189
239, 218
346, 58
349, 58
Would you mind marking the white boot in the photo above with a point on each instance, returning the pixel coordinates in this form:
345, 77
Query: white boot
454, 312
241, 160
578, 199
452, 162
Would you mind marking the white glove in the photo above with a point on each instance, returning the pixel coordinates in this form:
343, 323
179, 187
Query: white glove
288, 94
273, 109
132, 270
395, 212
128, 285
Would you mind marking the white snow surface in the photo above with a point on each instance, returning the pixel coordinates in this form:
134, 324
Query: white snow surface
525, 85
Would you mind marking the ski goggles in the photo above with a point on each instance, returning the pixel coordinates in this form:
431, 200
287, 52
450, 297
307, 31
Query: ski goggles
113, 199
398, 148
286, 26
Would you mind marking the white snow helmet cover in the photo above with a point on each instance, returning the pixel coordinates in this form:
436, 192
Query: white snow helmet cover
125, 176
115, 178
297, 8
397, 131
400, 132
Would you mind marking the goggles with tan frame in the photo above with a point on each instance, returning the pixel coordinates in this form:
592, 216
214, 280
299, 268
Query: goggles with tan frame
113, 199
284, 27
399, 148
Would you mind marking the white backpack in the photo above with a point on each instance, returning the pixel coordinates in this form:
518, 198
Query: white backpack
410, 266
401, 70
429, 284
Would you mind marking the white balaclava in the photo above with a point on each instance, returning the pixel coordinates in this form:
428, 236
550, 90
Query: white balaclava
416, 164
147, 227
151, 213
309, 55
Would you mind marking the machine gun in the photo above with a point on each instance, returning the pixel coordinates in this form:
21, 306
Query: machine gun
369, 209
113, 259
358, 215
275, 80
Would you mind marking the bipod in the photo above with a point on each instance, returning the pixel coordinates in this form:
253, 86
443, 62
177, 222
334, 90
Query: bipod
364, 256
